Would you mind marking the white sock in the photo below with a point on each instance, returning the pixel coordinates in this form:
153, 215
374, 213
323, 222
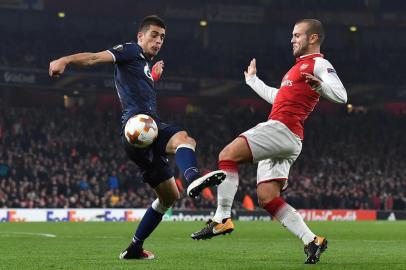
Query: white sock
159, 207
289, 218
225, 196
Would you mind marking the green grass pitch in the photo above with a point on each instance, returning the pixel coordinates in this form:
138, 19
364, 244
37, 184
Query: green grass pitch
253, 245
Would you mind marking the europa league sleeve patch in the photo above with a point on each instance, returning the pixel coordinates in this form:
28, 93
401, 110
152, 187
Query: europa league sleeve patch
331, 70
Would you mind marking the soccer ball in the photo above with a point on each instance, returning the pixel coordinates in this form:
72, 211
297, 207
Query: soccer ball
141, 130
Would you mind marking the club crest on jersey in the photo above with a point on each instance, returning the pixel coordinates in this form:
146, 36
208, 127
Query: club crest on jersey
286, 83
118, 47
148, 72
304, 66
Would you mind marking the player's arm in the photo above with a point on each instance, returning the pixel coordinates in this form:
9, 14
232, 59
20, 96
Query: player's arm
326, 82
57, 67
266, 92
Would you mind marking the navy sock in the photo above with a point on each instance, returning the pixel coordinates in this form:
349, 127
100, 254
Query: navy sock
148, 223
186, 160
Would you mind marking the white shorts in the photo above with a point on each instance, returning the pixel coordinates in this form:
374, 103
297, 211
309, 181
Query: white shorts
275, 148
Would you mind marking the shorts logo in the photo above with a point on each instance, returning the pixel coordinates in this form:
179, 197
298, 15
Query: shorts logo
148, 72
303, 66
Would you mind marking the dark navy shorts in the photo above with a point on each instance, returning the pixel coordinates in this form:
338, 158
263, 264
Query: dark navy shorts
153, 160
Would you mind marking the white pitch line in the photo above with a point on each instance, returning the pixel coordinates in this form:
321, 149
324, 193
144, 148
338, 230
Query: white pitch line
28, 233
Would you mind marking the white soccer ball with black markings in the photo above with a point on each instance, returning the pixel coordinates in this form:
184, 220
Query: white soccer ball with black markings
141, 130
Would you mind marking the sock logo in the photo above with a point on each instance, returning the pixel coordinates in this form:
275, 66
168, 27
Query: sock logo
191, 171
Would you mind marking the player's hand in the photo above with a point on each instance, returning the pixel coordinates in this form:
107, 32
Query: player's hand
251, 69
157, 70
311, 80
57, 67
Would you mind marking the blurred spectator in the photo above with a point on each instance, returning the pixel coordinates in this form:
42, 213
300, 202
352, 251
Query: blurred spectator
113, 181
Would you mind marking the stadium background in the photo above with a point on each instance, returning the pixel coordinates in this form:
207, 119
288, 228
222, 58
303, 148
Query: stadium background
59, 139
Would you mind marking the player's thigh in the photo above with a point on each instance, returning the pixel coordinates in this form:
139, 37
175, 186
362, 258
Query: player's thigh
168, 137
238, 151
167, 192
140, 156
152, 162
272, 139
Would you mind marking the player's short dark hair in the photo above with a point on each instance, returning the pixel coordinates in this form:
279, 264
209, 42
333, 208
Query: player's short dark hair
315, 27
151, 20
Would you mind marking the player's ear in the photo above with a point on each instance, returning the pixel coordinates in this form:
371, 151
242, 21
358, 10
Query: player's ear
314, 38
140, 36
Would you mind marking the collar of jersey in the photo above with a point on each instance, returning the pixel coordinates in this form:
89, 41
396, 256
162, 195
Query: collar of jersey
308, 56
142, 52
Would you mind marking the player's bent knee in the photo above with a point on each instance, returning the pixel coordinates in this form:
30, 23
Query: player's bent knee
170, 200
190, 140
179, 139
160, 207
225, 154
229, 153
263, 202
165, 204
264, 199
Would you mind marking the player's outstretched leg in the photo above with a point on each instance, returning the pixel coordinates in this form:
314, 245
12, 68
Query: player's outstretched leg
213, 229
186, 161
211, 179
314, 249
291, 220
149, 222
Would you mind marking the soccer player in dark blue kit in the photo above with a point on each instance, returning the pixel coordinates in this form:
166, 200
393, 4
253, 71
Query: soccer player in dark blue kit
135, 88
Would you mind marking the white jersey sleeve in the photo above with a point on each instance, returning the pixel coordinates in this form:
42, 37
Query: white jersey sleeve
264, 91
331, 86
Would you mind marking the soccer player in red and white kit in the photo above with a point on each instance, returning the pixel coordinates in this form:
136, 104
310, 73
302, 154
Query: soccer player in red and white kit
276, 143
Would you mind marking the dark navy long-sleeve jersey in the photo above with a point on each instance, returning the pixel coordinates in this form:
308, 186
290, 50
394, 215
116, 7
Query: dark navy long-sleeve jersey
133, 80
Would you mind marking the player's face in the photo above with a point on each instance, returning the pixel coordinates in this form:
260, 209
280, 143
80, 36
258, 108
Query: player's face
151, 40
300, 40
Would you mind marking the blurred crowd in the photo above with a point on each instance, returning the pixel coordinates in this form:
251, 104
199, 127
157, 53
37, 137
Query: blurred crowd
33, 53
220, 51
58, 159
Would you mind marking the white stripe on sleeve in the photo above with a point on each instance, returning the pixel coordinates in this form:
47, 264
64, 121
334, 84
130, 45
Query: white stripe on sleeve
112, 54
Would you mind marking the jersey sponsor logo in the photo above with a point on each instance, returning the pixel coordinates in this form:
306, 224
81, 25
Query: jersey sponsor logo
118, 47
304, 66
287, 83
148, 72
